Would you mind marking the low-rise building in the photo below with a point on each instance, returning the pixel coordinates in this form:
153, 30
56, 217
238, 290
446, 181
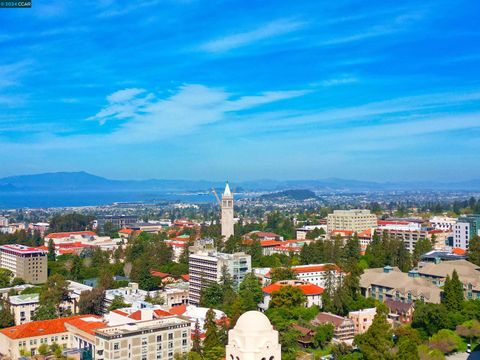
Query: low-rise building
343, 328
313, 293
318, 274
468, 273
158, 336
391, 283
362, 319
150, 339
84, 237
27, 338
23, 306
400, 311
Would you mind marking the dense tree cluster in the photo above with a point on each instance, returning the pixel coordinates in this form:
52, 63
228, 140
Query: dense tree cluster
71, 222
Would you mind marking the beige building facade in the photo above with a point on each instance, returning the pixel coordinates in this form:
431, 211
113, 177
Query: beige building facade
25, 262
352, 220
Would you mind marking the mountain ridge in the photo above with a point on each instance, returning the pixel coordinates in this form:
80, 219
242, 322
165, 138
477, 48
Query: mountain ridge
84, 181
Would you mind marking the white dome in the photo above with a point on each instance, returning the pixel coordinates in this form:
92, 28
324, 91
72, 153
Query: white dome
253, 321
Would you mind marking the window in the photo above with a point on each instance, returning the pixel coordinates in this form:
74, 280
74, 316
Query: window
170, 345
159, 338
116, 346
170, 336
184, 342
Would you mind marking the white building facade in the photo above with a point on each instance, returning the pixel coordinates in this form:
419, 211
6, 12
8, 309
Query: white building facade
253, 338
205, 267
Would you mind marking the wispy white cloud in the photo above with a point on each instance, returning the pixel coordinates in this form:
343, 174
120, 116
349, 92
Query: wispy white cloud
266, 31
147, 117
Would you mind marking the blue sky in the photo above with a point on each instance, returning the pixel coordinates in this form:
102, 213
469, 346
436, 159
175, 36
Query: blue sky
373, 90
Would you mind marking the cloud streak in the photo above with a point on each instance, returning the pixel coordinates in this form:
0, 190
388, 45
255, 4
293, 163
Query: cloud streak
266, 31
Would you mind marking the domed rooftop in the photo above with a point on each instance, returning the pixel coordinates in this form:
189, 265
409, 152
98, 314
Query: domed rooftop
253, 321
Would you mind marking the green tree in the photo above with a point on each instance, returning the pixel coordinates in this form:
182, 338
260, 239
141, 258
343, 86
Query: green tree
453, 293
474, 250
70, 222
376, 342
287, 297
250, 292
469, 330
211, 296
446, 341
45, 312
323, 335
117, 303
196, 340
55, 291
407, 350
421, 247
426, 353
76, 270
91, 302
282, 273
6, 277
51, 250
375, 252
43, 349
211, 340
6, 316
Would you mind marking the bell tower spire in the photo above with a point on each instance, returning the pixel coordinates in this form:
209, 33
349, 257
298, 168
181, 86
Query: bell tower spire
227, 212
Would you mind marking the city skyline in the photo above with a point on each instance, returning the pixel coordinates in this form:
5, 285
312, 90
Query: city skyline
204, 90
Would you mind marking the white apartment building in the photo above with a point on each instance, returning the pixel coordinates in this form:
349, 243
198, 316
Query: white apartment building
205, 266
352, 220
25, 262
466, 227
444, 223
316, 274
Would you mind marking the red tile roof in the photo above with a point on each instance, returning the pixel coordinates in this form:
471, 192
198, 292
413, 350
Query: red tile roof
178, 310
87, 326
307, 288
60, 235
159, 274
161, 313
459, 251
343, 232
120, 312
137, 315
267, 243
39, 328
313, 268
387, 222
186, 277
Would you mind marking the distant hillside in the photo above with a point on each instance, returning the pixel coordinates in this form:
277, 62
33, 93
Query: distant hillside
290, 194
82, 181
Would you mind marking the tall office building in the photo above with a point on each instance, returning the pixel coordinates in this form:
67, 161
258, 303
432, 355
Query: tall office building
227, 213
353, 220
205, 267
465, 229
25, 262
